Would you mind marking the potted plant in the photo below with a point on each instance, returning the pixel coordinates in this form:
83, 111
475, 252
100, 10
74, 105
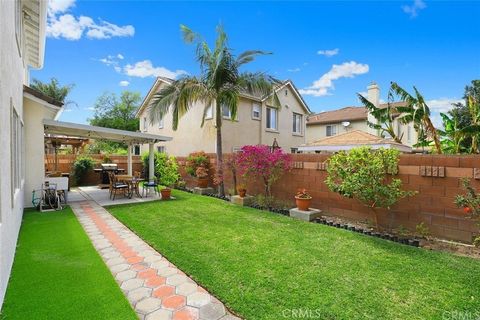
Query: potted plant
303, 199
202, 175
242, 190
167, 170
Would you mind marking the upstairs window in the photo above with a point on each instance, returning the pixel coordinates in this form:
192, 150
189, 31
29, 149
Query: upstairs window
256, 111
272, 117
297, 123
226, 112
331, 130
160, 122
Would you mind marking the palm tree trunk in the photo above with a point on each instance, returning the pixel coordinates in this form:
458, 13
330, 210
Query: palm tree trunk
218, 117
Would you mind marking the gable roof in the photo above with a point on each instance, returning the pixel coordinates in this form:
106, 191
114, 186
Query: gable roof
160, 80
353, 139
346, 114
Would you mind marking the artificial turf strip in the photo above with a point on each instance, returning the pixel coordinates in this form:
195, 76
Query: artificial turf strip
57, 274
267, 266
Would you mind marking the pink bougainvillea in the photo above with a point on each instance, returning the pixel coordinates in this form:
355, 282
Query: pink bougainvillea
261, 162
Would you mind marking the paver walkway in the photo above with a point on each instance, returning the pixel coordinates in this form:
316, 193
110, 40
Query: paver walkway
155, 287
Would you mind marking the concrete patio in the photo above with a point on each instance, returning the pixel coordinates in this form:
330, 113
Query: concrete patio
102, 196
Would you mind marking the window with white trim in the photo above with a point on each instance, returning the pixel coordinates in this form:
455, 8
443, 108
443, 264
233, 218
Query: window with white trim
226, 112
160, 122
136, 150
331, 130
297, 123
256, 111
209, 112
16, 150
272, 118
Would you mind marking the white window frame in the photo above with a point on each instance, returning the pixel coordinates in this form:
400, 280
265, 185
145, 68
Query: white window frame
209, 113
259, 111
160, 122
225, 108
270, 111
300, 123
333, 130
145, 125
135, 148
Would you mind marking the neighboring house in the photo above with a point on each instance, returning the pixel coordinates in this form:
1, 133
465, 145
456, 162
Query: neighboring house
331, 123
256, 123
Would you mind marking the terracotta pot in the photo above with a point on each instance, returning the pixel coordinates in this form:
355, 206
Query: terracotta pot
242, 192
303, 203
166, 193
202, 182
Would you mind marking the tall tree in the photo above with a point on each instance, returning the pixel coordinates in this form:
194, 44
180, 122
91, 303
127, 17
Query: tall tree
418, 112
384, 116
54, 90
219, 85
115, 112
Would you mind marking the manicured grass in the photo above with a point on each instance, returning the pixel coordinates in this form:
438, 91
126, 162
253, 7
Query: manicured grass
263, 265
57, 274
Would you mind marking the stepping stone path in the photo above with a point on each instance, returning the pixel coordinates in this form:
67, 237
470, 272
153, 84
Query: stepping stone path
155, 288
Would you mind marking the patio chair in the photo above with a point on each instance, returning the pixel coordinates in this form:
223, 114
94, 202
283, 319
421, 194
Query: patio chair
118, 185
150, 184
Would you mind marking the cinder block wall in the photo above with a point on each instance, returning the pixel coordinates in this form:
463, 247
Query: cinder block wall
435, 177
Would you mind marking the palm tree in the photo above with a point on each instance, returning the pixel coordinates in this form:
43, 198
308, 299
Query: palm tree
418, 112
219, 84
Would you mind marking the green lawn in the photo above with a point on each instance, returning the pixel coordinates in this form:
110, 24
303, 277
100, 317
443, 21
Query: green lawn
57, 274
267, 266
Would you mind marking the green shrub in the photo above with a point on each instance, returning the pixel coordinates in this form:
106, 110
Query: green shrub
367, 176
81, 166
166, 168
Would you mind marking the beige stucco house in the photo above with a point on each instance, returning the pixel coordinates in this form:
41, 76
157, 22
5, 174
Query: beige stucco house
348, 119
256, 123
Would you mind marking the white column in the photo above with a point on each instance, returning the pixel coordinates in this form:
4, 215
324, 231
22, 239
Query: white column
129, 159
151, 165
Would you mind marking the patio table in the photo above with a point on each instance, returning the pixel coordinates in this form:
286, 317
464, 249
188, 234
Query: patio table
133, 183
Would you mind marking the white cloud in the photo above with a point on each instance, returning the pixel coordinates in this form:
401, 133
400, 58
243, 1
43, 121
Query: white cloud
120, 56
328, 53
145, 69
414, 8
294, 70
123, 83
345, 70
67, 26
442, 104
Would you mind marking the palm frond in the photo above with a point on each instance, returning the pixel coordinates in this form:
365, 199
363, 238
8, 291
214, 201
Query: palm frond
248, 56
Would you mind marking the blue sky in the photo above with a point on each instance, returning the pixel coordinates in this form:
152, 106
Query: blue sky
331, 50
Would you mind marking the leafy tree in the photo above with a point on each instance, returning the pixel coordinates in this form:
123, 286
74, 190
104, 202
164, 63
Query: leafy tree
452, 134
166, 168
384, 117
367, 176
54, 90
117, 113
219, 85
418, 112
261, 162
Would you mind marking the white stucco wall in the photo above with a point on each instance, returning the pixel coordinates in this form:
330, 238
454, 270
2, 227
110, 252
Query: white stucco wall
319, 131
12, 74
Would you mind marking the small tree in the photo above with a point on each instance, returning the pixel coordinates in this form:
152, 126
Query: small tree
81, 167
260, 162
166, 169
366, 175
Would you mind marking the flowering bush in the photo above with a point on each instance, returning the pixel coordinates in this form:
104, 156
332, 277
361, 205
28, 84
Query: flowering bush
201, 172
260, 162
195, 160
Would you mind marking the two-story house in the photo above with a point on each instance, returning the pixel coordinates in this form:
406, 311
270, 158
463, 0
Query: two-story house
348, 119
256, 122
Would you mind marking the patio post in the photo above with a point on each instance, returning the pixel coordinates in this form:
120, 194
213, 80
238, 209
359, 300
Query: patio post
151, 165
129, 159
